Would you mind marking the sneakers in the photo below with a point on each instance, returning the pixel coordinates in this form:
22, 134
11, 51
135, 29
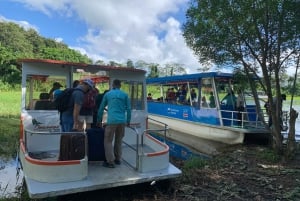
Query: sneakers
108, 165
117, 162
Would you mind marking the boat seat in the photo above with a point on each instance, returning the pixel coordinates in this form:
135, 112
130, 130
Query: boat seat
44, 96
44, 103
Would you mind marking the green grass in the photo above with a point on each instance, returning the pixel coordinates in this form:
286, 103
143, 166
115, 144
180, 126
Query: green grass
10, 104
9, 132
270, 156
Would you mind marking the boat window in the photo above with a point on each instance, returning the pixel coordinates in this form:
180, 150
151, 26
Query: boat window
226, 93
207, 93
135, 91
41, 90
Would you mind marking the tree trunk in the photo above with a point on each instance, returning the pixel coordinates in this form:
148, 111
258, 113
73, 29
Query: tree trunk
276, 130
291, 143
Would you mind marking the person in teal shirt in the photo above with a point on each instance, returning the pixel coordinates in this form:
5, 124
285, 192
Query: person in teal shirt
118, 115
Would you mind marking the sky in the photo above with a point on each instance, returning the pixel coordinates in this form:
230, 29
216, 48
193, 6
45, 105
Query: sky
110, 30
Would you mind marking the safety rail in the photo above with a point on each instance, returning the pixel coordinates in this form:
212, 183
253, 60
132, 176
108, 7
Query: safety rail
139, 145
52, 134
165, 126
242, 119
248, 120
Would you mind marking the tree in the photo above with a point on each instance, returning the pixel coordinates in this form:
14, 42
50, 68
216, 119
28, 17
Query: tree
129, 64
171, 69
153, 70
260, 35
100, 62
17, 43
64, 54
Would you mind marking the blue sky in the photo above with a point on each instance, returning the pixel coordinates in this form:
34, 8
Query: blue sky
117, 30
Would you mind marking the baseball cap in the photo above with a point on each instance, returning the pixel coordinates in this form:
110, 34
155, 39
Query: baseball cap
57, 84
89, 82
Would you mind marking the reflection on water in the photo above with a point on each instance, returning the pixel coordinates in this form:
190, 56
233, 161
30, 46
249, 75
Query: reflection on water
10, 180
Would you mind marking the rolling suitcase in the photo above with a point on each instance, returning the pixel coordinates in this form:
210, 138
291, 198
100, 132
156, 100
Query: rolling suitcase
96, 144
72, 147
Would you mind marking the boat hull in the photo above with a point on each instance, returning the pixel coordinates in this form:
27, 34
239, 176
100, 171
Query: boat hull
203, 138
98, 178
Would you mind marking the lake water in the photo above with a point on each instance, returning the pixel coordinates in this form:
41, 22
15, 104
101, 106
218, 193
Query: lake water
11, 178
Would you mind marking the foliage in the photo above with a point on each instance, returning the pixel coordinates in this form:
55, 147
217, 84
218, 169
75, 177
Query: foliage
17, 43
195, 162
262, 36
171, 69
269, 155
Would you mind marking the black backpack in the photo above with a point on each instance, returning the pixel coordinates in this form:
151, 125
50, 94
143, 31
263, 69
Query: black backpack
62, 102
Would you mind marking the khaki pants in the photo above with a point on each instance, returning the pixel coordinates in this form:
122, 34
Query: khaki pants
113, 152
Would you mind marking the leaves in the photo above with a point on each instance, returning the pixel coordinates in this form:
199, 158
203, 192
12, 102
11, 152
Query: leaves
17, 43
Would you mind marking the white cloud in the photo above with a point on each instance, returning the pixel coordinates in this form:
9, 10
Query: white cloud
126, 29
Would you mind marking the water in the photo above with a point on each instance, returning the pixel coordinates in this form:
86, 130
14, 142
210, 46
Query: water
11, 179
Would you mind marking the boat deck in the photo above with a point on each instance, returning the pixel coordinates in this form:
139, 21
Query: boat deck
100, 177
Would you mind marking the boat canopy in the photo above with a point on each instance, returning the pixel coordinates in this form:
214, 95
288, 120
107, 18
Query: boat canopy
187, 77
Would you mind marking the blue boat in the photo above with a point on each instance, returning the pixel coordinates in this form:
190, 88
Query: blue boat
206, 111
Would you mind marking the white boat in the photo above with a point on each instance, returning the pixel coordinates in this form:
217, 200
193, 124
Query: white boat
145, 159
209, 119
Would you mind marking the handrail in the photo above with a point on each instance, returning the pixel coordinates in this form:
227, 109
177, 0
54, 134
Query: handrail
244, 122
140, 143
166, 127
31, 132
49, 132
258, 123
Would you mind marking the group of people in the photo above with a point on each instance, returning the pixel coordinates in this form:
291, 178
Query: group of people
179, 96
79, 118
80, 111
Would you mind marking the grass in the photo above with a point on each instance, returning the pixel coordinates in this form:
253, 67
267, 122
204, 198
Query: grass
270, 156
10, 104
9, 132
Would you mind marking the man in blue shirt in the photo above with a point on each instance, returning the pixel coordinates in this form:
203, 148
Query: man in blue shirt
118, 106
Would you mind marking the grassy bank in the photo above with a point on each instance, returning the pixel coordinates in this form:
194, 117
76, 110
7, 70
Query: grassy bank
10, 103
9, 135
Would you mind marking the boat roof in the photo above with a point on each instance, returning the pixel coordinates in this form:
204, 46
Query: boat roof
187, 77
88, 67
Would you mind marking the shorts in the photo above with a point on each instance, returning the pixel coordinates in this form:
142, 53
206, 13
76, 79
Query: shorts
87, 119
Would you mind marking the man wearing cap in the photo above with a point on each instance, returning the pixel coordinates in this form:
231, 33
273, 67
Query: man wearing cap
70, 117
56, 86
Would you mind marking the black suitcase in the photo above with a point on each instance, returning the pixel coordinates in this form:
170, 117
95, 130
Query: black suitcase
72, 147
96, 144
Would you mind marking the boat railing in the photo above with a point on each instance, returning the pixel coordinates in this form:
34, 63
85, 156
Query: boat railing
162, 124
141, 148
52, 143
244, 119
251, 120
